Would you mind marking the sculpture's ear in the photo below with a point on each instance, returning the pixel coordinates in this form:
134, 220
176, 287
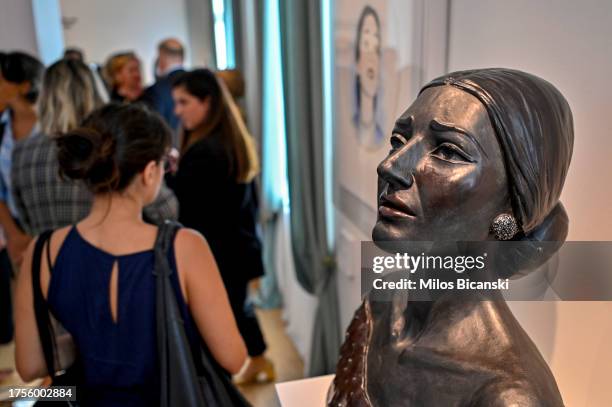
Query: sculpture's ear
528, 252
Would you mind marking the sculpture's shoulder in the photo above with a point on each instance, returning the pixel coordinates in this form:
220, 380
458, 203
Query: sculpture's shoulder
506, 393
348, 387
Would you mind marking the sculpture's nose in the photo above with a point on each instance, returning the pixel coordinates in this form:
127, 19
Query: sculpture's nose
398, 168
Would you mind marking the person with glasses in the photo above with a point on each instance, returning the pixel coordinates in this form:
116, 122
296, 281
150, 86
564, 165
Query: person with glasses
20, 76
20, 80
45, 200
97, 276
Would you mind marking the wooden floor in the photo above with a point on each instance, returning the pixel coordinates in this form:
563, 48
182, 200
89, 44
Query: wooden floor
281, 351
287, 362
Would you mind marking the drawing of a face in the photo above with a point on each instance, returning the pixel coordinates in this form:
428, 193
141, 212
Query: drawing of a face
368, 53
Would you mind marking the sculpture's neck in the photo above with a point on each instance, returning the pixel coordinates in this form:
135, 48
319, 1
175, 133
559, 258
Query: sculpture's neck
417, 315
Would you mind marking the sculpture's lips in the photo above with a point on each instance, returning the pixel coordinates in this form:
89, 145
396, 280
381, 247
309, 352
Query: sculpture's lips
391, 206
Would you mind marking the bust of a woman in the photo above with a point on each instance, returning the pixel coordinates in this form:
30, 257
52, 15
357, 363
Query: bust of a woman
480, 155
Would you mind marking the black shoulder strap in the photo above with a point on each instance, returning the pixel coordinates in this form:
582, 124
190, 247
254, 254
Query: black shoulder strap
165, 236
180, 371
41, 310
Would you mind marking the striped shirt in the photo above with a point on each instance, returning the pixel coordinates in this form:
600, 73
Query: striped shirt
46, 201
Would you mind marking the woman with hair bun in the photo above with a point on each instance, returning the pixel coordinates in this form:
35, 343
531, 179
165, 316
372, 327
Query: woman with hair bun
44, 199
98, 280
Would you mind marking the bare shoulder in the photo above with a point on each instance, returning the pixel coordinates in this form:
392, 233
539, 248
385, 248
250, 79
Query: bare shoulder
189, 239
57, 240
194, 260
191, 248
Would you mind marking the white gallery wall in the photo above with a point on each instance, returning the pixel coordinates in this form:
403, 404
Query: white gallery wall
101, 28
17, 30
568, 43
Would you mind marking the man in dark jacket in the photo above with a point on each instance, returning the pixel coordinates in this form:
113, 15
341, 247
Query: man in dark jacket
169, 64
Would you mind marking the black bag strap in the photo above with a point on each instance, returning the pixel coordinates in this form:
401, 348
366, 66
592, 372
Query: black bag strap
41, 309
178, 369
163, 242
179, 384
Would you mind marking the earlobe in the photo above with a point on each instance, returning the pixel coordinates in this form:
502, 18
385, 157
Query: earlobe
148, 175
206, 104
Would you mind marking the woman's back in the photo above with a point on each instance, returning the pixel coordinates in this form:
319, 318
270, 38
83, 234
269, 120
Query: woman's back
107, 303
46, 201
222, 209
99, 281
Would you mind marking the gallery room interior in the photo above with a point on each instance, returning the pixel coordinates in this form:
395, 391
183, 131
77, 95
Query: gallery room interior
341, 130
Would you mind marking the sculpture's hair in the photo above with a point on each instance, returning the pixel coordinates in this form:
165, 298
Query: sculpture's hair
68, 95
534, 127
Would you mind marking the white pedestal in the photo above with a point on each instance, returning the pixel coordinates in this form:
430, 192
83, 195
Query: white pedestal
310, 392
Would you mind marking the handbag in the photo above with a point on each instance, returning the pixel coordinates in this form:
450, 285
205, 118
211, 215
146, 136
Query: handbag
185, 380
72, 375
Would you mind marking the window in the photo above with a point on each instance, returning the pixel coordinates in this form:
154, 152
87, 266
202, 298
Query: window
224, 34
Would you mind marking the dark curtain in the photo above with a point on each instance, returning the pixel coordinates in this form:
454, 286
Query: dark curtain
300, 22
248, 23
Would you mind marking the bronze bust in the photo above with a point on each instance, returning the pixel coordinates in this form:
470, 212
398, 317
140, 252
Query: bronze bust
480, 155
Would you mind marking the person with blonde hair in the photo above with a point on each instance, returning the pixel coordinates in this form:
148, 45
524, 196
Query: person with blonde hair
97, 276
44, 199
123, 75
215, 188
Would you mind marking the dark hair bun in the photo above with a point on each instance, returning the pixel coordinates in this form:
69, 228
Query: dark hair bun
88, 155
534, 249
114, 143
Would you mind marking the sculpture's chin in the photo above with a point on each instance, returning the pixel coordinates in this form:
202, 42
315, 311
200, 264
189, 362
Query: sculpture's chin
381, 232
385, 231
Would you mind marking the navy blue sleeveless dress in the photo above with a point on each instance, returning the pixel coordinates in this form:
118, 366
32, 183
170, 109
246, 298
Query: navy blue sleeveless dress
120, 358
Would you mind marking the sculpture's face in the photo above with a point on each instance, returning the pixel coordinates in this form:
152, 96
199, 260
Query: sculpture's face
444, 178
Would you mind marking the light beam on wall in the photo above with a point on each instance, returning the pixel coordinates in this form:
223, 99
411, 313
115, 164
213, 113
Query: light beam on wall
224, 34
49, 33
274, 143
327, 43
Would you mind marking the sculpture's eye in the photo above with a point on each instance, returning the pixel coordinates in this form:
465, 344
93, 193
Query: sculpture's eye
452, 153
397, 141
